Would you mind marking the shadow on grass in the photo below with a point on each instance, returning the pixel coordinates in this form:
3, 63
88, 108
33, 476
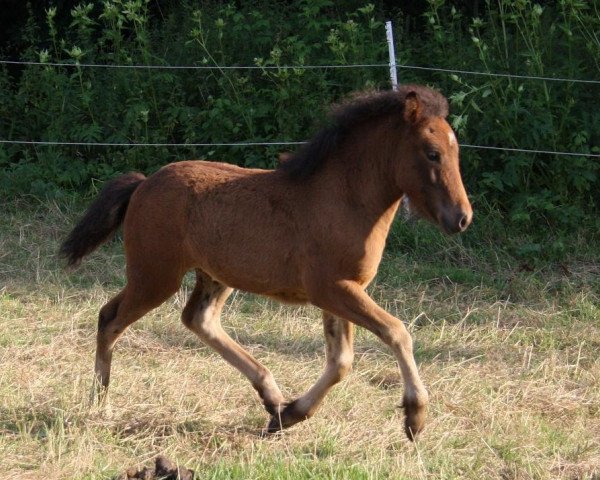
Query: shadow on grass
40, 422
34, 421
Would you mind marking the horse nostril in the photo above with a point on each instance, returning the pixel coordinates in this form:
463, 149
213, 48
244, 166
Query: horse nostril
455, 222
463, 223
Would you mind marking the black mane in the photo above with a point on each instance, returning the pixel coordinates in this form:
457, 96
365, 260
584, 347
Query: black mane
344, 117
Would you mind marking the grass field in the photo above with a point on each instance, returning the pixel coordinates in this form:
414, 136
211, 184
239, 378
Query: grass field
510, 358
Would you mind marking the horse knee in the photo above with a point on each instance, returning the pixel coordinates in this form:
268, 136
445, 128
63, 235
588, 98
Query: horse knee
398, 338
200, 320
210, 331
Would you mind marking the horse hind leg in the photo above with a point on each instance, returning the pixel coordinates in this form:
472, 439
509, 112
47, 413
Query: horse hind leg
107, 315
140, 296
202, 315
339, 335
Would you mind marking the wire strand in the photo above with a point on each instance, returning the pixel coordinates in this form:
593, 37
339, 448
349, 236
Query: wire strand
502, 75
123, 144
526, 150
260, 144
194, 67
303, 67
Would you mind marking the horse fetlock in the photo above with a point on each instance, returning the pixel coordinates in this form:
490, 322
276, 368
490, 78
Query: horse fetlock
274, 408
269, 392
290, 415
418, 396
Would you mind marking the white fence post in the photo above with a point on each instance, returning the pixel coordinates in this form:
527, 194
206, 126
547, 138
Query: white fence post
390, 40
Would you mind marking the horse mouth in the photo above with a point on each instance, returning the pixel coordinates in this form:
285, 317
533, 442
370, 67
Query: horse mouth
448, 220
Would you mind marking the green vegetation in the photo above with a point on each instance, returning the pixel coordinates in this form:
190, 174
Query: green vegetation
90, 104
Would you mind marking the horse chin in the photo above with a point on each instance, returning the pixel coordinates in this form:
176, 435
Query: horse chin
423, 212
440, 225
442, 228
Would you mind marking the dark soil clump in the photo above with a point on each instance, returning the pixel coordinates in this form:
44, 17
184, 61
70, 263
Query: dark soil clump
163, 469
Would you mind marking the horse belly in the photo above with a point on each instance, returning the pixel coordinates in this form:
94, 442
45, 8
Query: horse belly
246, 246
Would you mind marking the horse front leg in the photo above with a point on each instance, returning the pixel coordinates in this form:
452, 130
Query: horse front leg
339, 335
349, 301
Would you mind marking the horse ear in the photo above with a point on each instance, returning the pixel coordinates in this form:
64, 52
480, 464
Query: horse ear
412, 107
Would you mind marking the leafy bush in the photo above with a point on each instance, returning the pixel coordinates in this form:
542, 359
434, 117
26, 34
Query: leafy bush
521, 36
81, 104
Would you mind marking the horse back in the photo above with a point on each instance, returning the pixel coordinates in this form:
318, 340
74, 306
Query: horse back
236, 224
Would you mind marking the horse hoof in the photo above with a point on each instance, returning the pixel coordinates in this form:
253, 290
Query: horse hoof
414, 421
285, 418
274, 426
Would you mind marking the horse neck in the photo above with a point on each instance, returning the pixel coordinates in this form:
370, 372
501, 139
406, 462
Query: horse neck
359, 174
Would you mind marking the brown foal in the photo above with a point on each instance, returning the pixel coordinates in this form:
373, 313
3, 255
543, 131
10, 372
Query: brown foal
311, 231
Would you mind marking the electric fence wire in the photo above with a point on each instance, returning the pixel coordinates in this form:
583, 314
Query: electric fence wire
301, 67
265, 144
281, 67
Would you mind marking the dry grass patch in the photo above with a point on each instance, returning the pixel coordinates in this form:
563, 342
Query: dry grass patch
513, 383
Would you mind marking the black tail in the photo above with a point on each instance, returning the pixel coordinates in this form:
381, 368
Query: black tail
102, 219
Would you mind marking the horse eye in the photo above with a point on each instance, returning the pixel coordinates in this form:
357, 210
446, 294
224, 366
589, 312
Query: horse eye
433, 156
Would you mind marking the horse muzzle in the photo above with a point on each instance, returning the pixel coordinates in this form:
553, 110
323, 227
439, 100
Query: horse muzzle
455, 220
